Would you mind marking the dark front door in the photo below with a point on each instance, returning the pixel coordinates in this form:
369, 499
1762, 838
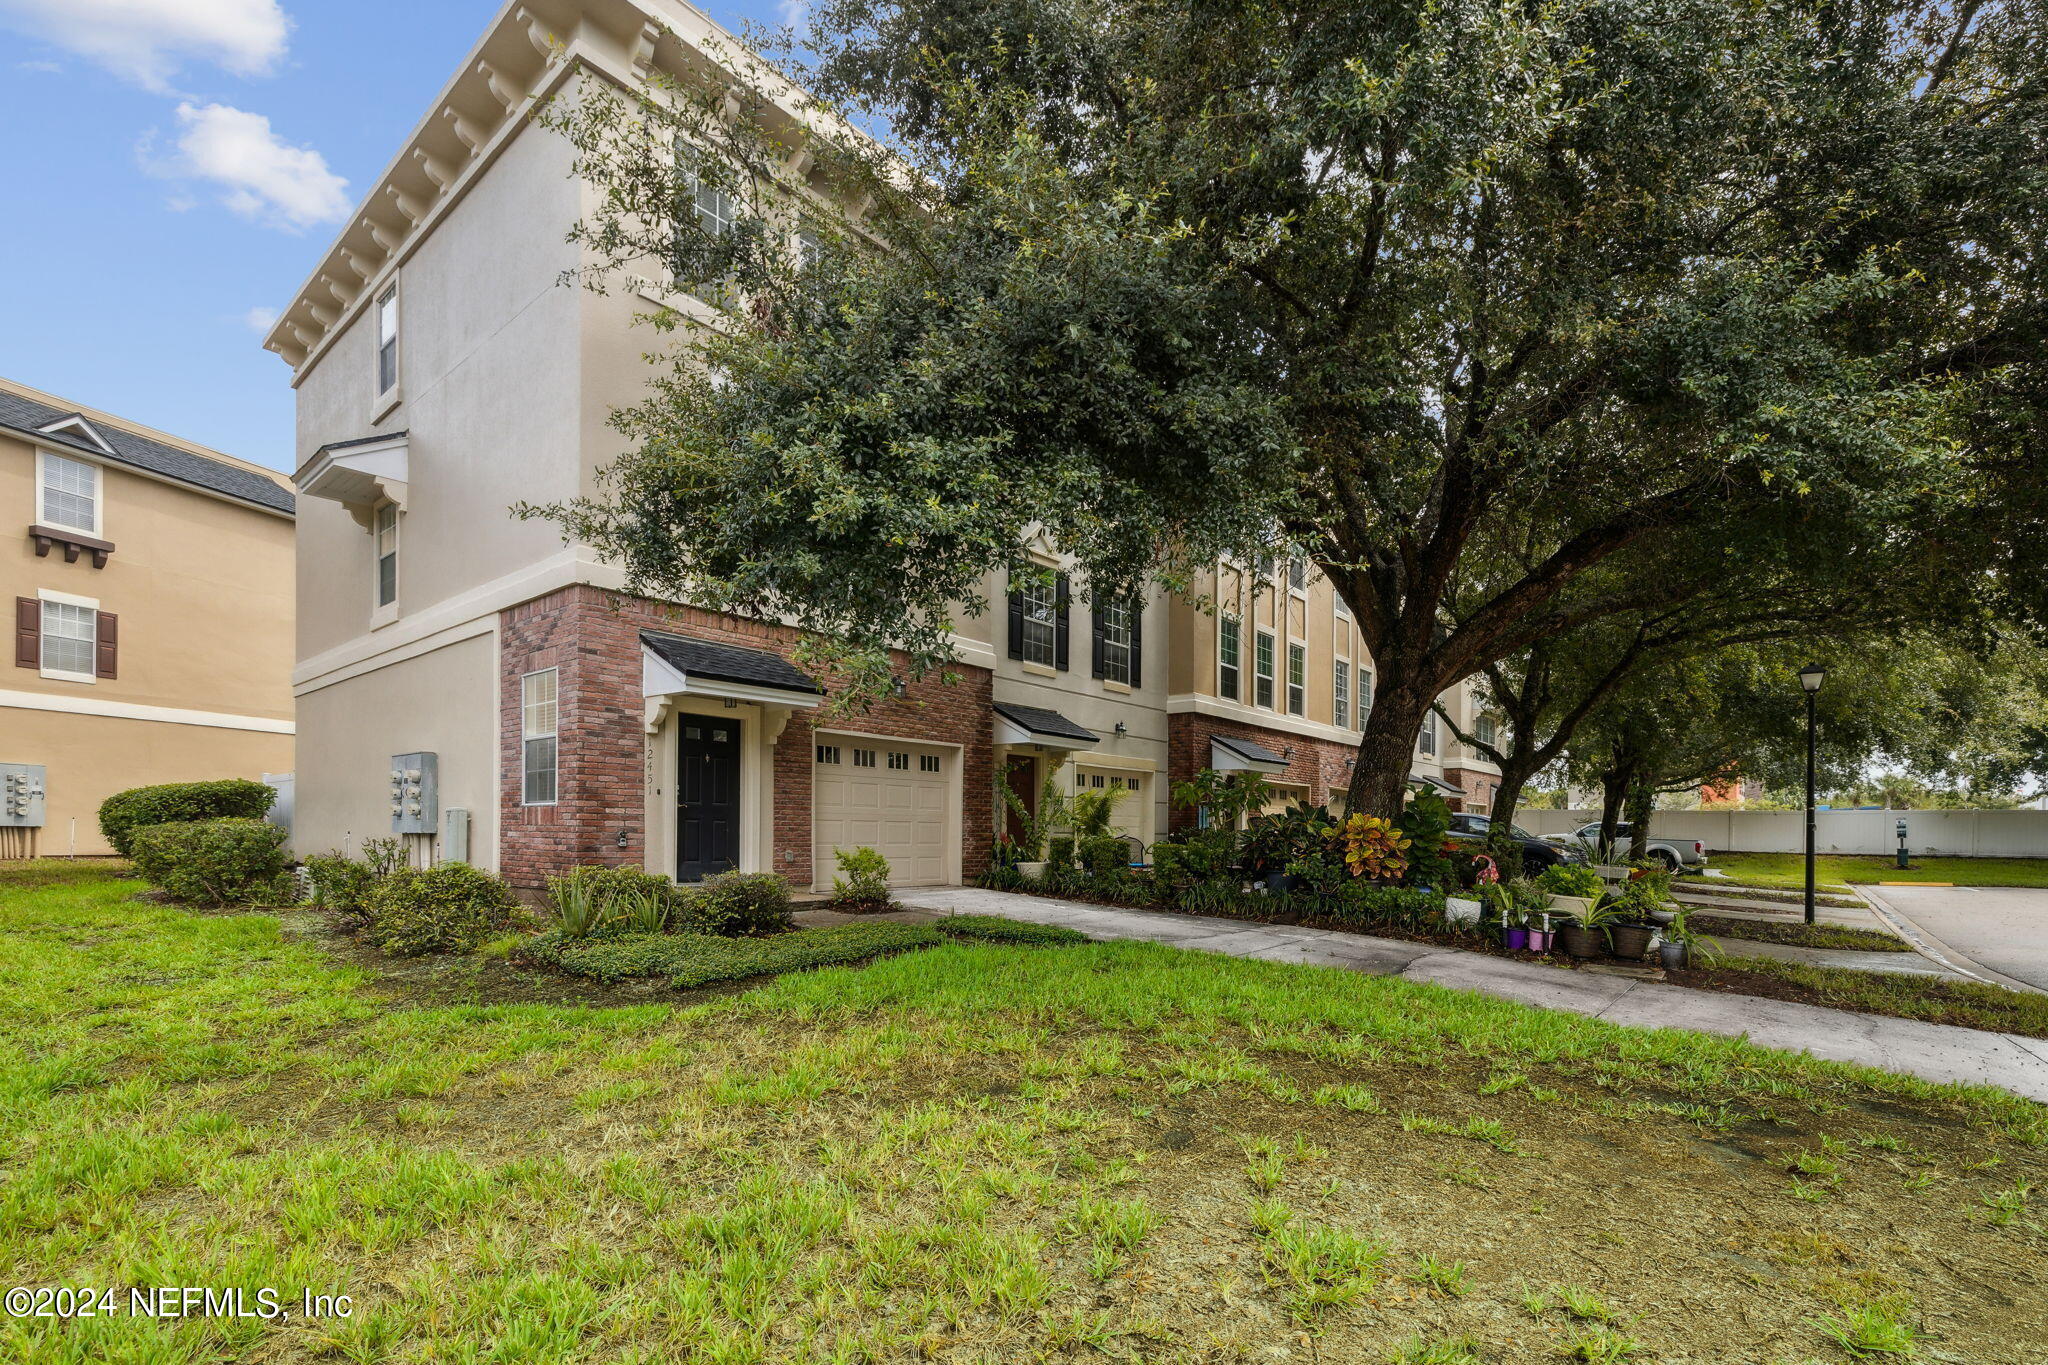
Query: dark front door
1022, 776
707, 798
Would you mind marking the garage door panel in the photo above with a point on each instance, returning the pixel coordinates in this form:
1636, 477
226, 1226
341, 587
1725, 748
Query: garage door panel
904, 812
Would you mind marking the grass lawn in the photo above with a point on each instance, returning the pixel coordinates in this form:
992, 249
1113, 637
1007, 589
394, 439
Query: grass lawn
1799, 934
1938, 1000
1789, 870
978, 1152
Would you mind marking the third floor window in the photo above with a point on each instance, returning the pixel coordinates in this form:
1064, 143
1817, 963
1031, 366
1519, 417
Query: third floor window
387, 341
1262, 669
71, 494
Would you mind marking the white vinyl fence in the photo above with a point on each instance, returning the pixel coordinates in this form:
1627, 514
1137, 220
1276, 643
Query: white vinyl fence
1954, 833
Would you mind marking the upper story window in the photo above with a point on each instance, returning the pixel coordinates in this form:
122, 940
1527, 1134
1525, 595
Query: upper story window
1262, 669
1117, 642
1038, 621
1229, 655
387, 340
1483, 730
809, 247
1426, 740
70, 495
539, 697
1340, 694
385, 532
1297, 573
1364, 694
1297, 679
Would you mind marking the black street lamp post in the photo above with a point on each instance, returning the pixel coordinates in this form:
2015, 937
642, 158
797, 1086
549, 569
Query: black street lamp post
1810, 678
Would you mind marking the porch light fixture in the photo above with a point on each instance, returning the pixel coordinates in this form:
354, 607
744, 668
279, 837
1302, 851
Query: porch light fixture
1122, 728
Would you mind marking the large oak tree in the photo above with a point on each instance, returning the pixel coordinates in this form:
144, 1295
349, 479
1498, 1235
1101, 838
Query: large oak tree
1478, 305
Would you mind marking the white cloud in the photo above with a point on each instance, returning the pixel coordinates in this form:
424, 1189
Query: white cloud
260, 319
40, 67
148, 41
795, 14
260, 176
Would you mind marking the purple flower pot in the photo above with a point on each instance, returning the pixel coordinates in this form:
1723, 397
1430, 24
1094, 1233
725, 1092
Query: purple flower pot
1515, 939
1539, 940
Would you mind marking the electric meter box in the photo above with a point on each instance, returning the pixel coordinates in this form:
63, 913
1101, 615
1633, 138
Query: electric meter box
415, 793
21, 795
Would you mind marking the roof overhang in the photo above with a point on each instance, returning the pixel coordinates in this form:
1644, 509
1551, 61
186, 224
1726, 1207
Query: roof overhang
359, 473
1416, 779
661, 678
1025, 726
1232, 754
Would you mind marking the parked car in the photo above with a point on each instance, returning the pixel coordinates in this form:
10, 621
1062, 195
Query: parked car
1537, 854
1673, 853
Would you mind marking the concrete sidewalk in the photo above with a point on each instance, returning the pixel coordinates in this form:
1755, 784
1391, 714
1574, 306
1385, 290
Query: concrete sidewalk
1935, 1052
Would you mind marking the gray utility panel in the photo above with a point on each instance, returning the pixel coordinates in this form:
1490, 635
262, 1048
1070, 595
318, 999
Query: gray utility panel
21, 795
415, 793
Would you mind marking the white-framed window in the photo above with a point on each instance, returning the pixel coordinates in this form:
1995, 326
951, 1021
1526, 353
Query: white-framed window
1229, 655
1425, 741
68, 493
539, 721
927, 763
387, 340
1340, 694
809, 246
1297, 573
1116, 641
1297, 679
715, 209
899, 760
384, 532
70, 637
1041, 621
828, 753
1364, 694
1262, 669
1483, 730
863, 758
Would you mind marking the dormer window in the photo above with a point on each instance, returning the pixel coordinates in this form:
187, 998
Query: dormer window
68, 494
387, 341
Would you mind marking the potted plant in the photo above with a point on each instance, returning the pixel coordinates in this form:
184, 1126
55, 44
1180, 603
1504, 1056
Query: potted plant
1588, 935
1630, 932
1540, 933
1573, 889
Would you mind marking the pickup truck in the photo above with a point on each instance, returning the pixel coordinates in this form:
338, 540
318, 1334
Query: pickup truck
1675, 854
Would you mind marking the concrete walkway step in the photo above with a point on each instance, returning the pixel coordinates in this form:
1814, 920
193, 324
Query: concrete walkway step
1935, 1052
1902, 964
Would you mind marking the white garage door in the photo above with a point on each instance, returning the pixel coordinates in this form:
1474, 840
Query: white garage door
896, 798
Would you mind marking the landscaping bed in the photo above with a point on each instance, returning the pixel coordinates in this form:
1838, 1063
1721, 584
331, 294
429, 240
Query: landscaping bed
963, 1154
1934, 999
1800, 935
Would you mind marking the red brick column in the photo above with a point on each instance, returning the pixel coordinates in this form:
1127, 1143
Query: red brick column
1316, 764
593, 638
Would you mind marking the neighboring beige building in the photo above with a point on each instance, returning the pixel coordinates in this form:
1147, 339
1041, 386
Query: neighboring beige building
152, 609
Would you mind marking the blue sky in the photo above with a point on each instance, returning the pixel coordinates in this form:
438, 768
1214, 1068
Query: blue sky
151, 211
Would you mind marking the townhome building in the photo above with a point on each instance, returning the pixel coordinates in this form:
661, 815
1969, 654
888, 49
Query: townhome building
152, 601
469, 681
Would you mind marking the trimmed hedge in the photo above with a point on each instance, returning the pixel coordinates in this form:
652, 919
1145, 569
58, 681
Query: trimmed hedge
690, 960
234, 798
447, 908
996, 929
737, 903
613, 887
214, 862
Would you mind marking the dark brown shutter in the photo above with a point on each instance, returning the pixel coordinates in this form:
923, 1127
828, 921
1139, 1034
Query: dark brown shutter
1095, 637
28, 632
1063, 595
1016, 624
108, 657
1138, 639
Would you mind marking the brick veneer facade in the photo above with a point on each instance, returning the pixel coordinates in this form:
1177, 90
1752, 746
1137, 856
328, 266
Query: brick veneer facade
1478, 786
592, 637
1315, 764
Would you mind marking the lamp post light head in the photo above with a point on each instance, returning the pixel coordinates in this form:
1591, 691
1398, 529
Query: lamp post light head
1810, 677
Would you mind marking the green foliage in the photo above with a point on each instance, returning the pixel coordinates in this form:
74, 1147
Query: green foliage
865, 879
1424, 821
214, 862
1408, 908
1091, 811
1104, 855
585, 897
447, 908
741, 903
343, 884
1226, 798
1272, 841
230, 798
1571, 879
1059, 850
691, 960
997, 929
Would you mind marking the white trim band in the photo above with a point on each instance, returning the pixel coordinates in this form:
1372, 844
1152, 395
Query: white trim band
125, 710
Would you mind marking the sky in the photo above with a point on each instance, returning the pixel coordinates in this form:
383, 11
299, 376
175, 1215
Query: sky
174, 169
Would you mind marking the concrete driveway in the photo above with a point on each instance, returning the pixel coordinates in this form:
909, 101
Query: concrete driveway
1999, 932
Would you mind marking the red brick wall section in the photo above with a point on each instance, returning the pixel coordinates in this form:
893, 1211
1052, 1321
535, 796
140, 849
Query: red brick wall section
1479, 788
592, 637
1317, 764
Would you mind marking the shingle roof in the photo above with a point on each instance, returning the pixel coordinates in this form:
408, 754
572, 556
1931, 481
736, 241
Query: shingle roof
26, 415
1040, 721
1251, 751
728, 663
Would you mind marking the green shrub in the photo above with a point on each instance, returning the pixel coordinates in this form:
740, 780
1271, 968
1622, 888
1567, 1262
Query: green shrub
737, 904
448, 908
1105, 855
214, 862
691, 960
175, 802
867, 877
343, 884
997, 929
1393, 907
1059, 851
585, 897
1571, 879
1425, 821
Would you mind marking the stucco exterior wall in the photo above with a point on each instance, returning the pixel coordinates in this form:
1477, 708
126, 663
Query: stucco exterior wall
441, 702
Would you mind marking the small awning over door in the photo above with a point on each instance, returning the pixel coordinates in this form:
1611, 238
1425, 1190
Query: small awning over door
1236, 754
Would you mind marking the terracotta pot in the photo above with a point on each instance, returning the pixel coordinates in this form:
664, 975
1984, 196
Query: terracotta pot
1580, 941
1630, 941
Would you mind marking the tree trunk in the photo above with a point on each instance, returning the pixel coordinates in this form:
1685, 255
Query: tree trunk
1614, 785
1386, 752
1641, 803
